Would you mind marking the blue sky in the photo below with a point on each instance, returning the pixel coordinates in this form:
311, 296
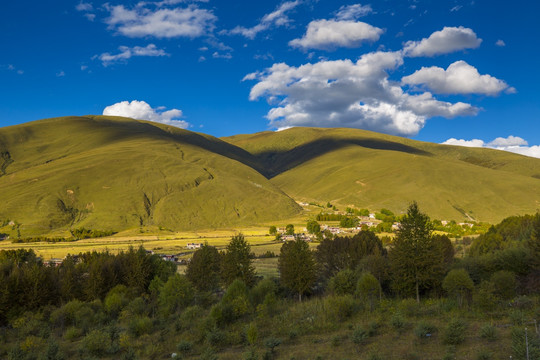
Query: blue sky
464, 72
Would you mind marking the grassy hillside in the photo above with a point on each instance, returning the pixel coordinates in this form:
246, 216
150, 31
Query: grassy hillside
369, 170
116, 173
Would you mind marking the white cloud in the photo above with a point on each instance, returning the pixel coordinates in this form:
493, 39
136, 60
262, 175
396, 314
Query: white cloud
456, 8
329, 34
127, 53
82, 6
513, 144
61, 73
466, 143
90, 17
343, 93
445, 41
277, 17
458, 78
141, 21
500, 43
509, 141
143, 111
353, 12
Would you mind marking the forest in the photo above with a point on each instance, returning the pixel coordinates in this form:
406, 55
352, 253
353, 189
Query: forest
351, 297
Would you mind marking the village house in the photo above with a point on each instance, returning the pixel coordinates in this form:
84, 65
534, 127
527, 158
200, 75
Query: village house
194, 246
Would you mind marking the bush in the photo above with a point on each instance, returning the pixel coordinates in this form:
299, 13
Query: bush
458, 283
360, 335
398, 321
115, 300
215, 337
261, 290
343, 283
340, 307
176, 294
484, 355
73, 333
96, 343
488, 332
140, 325
504, 283
184, 346
368, 289
454, 333
424, 330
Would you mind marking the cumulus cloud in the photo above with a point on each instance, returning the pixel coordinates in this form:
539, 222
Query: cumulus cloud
160, 22
463, 142
458, 78
353, 12
277, 17
329, 34
500, 43
343, 93
141, 110
128, 52
511, 143
445, 41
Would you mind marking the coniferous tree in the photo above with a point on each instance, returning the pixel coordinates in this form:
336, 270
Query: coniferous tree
297, 268
236, 262
204, 268
415, 260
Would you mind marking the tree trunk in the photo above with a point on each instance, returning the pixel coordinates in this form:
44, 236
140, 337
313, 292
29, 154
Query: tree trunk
300, 296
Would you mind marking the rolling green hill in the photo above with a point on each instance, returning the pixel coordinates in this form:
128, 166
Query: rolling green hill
349, 167
113, 173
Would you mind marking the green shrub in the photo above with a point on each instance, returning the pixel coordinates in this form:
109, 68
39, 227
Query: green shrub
184, 346
251, 354
343, 283
517, 317
340, 307
368, 289
115, 300
72, 333
360, 335
140, 325
504, 283
409, 307
398, 321
215, 337
484, 355
96, 342
372, 328
488, 332
424, 330
454, 333
261, 290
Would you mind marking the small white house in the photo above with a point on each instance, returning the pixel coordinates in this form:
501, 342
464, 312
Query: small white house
193, 246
